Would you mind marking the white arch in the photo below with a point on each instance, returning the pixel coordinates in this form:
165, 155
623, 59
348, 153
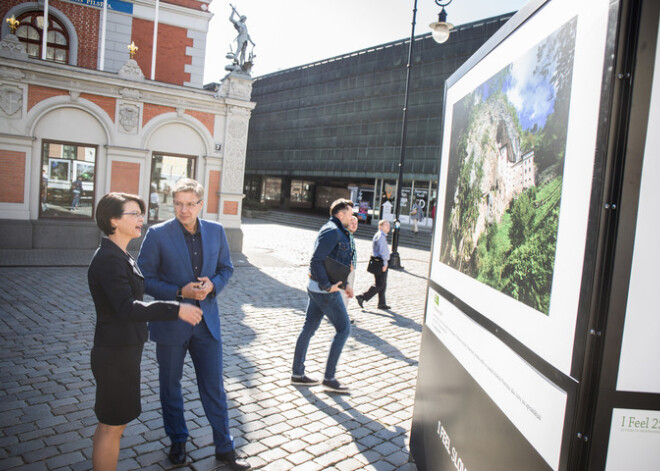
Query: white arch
44, 107
35, 6
175, 118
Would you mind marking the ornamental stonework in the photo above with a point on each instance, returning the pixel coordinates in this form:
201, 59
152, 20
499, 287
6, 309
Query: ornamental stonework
129, 118
11, 101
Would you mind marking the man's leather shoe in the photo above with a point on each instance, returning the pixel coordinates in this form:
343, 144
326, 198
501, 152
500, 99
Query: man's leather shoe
360, 300
234, 461
383, 306
178, 453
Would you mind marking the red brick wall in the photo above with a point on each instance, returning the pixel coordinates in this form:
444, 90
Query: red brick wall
231, 208
86, 22
12, 176
105, 102
151, 111
37, 93
185, 3
171, 58
125, 177
207, 119
212, 193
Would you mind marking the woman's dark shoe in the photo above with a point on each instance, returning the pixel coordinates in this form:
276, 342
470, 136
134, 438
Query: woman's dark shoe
234, 461
178, 453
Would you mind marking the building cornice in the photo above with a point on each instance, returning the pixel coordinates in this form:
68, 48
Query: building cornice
54, 75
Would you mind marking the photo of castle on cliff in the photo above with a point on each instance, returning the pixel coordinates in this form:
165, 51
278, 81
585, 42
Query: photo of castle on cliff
504, 175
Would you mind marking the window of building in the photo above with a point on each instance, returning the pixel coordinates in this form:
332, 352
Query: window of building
271, 191
30, 31
166, 171
68, 181
302, 194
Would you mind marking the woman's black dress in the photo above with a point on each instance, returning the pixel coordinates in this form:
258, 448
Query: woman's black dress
117, 288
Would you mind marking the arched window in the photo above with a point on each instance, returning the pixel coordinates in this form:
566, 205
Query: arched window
30, 31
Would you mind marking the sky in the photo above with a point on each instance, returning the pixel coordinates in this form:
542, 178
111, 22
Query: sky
289, 33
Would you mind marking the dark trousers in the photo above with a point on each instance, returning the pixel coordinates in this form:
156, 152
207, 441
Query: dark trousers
206, 354
378, 288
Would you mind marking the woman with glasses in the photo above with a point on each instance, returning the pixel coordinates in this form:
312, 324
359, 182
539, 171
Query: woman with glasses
117, 288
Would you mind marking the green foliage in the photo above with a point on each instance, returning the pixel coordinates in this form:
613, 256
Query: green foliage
517, 256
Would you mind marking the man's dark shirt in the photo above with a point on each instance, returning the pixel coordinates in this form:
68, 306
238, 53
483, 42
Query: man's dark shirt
194, 244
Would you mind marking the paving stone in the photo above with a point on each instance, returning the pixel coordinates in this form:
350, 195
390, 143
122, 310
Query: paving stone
47, 395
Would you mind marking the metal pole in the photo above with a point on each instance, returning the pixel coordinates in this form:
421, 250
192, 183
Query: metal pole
395, 259
154, 45
104, 24
44, 30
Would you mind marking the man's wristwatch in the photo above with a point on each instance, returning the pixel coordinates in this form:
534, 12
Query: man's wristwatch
179, 295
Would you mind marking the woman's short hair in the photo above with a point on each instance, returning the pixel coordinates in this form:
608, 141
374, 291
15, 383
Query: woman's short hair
340, 205
188, 184
111, 206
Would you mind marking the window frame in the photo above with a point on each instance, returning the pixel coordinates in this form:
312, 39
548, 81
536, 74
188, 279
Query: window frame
45, 159
29, 19
193, 170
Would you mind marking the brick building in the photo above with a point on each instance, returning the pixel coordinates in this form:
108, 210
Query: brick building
84, 114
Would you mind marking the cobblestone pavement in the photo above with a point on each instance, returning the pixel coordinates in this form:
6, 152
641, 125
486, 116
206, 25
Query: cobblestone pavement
47, 389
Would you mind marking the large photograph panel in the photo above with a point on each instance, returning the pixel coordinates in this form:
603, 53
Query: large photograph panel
506, 159
514, 190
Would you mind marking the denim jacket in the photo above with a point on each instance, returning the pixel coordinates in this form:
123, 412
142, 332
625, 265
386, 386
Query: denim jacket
333, 240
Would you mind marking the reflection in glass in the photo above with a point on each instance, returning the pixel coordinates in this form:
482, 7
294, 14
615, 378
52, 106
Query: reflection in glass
166, 171
67, 180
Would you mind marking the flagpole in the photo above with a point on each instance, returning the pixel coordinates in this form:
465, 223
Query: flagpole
103, 31
44, 39
155, 44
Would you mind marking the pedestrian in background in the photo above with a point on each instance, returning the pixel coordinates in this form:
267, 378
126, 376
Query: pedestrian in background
352, 227
417, 216
188, 259
76, 189
382, 250
117, 287
333, 240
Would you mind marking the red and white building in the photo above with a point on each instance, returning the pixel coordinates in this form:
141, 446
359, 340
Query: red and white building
77, 111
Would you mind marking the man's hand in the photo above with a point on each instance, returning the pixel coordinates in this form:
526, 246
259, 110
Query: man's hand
349, 291
334, 288
190, 313
384, 268
197, 289
206, 284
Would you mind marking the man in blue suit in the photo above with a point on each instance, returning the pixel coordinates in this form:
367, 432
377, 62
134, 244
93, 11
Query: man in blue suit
188, 259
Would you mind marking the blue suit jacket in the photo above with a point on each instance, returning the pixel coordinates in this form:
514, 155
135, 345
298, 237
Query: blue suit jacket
166, 265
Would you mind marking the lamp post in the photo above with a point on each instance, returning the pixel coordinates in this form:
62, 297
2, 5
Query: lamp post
441, 30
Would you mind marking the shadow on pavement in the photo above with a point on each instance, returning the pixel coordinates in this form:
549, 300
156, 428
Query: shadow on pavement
367, 433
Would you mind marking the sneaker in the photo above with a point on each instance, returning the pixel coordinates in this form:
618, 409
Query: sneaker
304, 381
333, 385
360, 300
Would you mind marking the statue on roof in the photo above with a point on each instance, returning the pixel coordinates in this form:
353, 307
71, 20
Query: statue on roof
239, 62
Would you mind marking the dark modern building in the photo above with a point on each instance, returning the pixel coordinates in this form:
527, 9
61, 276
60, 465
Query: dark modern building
333, 128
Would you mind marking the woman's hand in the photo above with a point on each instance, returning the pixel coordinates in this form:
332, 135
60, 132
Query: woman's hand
190, 313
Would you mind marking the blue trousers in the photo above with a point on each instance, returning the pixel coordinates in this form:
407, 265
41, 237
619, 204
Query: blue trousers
206, 354
332, 306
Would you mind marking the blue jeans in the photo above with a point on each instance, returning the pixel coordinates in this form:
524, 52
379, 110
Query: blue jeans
206, 354
333, 307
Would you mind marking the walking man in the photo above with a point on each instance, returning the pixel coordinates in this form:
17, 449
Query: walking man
382, 250
188, 259
324, 298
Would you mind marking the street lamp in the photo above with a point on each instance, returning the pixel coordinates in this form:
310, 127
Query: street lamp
395, 259
441, 28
